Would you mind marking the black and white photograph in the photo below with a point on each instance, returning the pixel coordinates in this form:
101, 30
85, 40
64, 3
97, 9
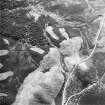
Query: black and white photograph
52, 52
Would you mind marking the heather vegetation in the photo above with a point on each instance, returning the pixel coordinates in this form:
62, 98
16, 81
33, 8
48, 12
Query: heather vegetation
52, 52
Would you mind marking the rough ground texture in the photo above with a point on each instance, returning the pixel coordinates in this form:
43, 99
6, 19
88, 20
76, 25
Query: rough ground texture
24, 24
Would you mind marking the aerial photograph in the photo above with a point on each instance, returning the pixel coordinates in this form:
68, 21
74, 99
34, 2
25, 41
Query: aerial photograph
52, 52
